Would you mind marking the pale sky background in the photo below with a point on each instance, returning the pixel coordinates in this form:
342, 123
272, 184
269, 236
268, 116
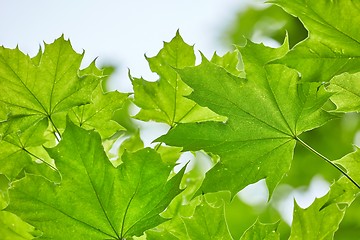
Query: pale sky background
117, 32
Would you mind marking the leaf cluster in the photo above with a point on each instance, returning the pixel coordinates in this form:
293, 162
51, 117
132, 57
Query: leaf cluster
73, 164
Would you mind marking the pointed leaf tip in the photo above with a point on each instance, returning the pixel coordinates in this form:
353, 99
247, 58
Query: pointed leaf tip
262, 136
119, 202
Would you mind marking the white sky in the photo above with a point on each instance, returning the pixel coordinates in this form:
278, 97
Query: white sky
117, 32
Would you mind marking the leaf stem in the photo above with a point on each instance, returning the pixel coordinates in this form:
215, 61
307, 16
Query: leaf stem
158, 146
57, 132
327, 160
42, 160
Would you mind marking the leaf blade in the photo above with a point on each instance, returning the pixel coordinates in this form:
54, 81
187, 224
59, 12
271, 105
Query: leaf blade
116, 207
333, 46
265, 113
164, 100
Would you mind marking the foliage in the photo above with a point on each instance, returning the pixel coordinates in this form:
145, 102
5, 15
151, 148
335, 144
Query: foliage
73, 164
271, 22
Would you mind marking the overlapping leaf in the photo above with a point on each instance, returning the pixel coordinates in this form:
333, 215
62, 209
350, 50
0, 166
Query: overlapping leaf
11, 226
322, 218
206, 222
266, 113
346, 89
333, 45
164, 100
35, 92
41, 87
316, 222
15, 148
99, 113
229, 61
94, 199
260, 231
351, 162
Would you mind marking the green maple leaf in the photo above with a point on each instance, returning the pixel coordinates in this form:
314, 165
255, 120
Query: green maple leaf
229, 61
207, 221
266, 114
163, 100
43, 86
322, 218
129, 145
316, 222
346, 89
343, 192
351, 162
260, 231
94, 199
332, 46
99, 113
16, 149
13, 228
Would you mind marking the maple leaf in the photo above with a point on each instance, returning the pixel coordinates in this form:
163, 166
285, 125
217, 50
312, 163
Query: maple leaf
16, 148
43, 86
332, 46
207, 221
351, 162
94, 199
163, 100
229, 61
346, 91
316, 222
260, 231
99, 113
11, 226
266, 114
322, 218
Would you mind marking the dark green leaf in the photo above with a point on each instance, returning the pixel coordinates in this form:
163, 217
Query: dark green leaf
266, 112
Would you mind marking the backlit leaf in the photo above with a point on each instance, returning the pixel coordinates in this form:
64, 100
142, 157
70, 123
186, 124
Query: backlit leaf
333, 45
207, 221
42, 87
322, 218
229, 61
351, 162
15, 148
13, 228
260, 231
163, 100
94, 199
266, 113
99, 113
346, 89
